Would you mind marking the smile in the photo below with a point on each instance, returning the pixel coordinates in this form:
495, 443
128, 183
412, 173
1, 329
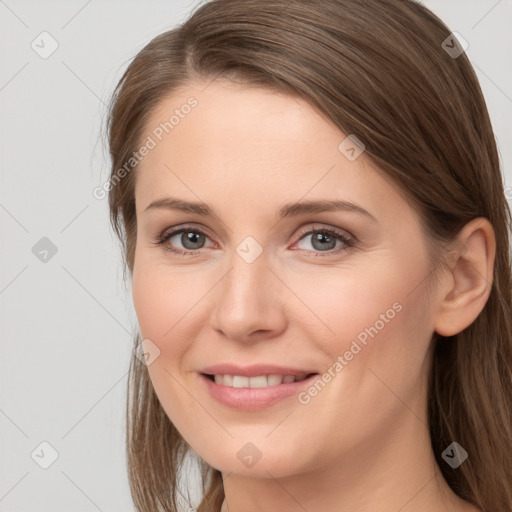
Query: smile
253, 393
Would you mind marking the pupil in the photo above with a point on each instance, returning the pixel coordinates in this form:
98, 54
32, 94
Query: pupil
191, 237
322, 236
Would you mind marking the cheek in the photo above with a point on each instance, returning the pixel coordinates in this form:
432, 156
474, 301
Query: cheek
384, 340
147, 297
348, 303
163, 312
160, 296
168, 301
377, 320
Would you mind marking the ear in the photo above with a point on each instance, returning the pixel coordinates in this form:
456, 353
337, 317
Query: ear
464, 293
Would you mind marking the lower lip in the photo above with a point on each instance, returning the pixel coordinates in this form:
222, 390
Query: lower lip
254, 399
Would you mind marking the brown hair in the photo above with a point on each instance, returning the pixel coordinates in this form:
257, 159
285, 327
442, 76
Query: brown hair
377, 69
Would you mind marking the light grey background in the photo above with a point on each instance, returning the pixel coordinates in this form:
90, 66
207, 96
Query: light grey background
66, 322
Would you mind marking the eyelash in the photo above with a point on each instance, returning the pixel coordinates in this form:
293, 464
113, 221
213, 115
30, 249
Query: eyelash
166, 235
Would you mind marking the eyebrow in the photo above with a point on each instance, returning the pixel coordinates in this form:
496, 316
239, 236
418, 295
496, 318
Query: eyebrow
287, 210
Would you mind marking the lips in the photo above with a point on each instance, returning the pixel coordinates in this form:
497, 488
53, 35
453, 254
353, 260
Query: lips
255, 387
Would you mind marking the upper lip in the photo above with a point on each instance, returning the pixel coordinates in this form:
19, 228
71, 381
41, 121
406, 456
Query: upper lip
254, 370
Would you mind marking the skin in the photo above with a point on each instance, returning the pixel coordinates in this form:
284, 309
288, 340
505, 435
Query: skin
363, 440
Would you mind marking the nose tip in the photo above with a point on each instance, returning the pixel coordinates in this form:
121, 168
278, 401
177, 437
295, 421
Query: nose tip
247, 305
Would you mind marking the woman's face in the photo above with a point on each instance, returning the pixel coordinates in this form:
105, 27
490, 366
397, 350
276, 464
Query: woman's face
258, 292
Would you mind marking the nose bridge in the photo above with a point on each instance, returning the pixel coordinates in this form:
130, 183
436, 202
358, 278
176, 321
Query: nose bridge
248, 263
246, 300
247, 282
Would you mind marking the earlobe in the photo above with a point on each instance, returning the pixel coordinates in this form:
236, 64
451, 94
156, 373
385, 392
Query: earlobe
469, 283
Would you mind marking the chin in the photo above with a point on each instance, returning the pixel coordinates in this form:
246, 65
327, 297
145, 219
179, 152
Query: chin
248, 460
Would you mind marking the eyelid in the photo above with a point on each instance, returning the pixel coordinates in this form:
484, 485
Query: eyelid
338, 231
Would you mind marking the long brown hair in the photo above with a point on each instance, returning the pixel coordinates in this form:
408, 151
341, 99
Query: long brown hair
380, 69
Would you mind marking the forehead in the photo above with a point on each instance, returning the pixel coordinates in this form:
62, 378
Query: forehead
229, 115
252, 145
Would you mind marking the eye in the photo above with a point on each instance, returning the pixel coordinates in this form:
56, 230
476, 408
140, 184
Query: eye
324, 240
191, 238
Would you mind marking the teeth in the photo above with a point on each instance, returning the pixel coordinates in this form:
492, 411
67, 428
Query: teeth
274, 380
261, 381
240, 382
258, 382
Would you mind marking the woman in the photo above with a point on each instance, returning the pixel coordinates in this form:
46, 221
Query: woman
314, 221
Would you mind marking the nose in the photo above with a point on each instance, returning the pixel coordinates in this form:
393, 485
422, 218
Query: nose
249, 305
